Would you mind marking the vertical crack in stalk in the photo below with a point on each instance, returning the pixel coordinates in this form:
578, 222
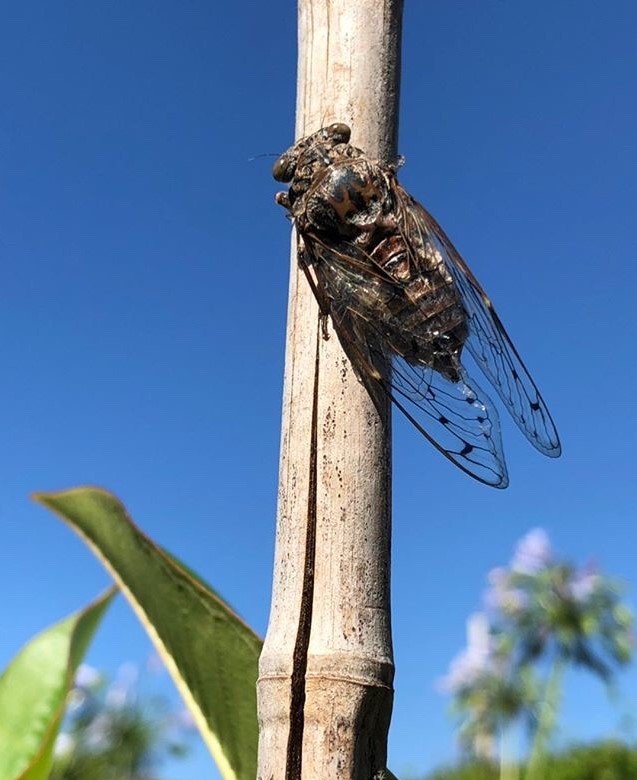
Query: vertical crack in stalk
294, 758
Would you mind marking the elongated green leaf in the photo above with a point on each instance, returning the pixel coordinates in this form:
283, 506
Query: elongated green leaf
33, 690
210, 652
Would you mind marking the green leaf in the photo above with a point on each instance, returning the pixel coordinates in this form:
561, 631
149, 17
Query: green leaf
210, 652
33, 691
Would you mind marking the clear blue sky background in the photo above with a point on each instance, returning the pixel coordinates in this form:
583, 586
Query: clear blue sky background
144, 287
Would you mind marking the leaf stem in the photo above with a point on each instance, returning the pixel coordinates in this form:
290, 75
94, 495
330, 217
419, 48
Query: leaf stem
546, 721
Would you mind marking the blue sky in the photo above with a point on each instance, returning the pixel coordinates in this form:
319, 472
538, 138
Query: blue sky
143, 299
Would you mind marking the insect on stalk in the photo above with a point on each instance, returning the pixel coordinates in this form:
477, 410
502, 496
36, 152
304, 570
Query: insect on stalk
395, 287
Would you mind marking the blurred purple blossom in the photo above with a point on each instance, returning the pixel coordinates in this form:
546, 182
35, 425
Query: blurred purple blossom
98, 732
76, 699
100, 716
476, 660
122, 690
501, 595
117, 695
86, 676
155, 663
128, 674
64, 745
184, 720
584, 583
533, 553
542, 609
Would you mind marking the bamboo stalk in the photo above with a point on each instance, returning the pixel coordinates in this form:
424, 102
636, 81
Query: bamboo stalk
326, 671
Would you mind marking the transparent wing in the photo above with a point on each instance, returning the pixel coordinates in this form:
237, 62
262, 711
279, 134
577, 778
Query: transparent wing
456, 417
488, 341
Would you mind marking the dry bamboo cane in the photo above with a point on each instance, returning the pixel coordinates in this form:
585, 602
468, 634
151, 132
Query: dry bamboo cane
326, 671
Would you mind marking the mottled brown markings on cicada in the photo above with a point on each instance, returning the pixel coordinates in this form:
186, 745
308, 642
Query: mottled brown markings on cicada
284, 168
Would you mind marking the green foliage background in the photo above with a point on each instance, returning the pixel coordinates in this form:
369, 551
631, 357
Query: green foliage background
603, 761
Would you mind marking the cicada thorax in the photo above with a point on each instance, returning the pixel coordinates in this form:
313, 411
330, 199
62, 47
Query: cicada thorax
423, 315
413, 302
349, 199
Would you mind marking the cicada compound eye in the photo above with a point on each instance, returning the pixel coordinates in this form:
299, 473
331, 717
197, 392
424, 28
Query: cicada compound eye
340, 132
283, 168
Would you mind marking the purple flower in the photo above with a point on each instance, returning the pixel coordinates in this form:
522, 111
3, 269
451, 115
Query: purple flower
128, 674
533, 553
155, 663
86, 676
476, 660
183, 720
64, 745
499, 578
584, 583
76, 699
99, 732
501, 596
122, 690
117, 696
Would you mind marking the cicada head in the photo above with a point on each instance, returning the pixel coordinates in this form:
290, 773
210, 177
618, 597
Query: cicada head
304, 162
314, 149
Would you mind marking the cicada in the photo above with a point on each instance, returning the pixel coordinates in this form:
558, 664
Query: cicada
398, 291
